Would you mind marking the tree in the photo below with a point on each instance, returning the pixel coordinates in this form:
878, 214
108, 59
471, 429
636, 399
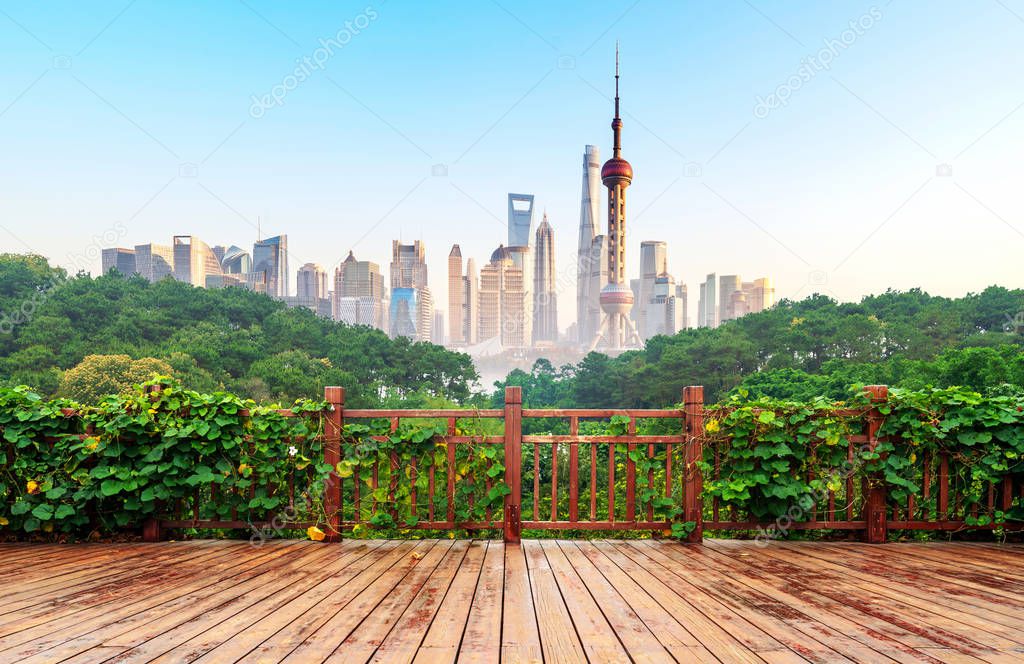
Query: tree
97, 376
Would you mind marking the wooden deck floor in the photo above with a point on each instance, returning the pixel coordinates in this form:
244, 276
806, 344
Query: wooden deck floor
442, 600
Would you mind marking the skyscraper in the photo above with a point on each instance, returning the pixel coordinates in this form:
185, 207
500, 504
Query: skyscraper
235, 260
437, 331
520, 219
409, 271
120, 259
587, 304
728, 284
503, 301
311, 283
545, 295
472, 302
707, 306
194, 261
617, 330
653, 264
456, 298
359, 293
270, 256
154, 261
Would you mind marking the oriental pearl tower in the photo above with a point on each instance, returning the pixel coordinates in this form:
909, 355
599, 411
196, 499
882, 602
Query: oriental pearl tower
617, 331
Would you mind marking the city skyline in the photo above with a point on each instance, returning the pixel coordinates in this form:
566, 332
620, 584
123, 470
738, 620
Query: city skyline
744, 168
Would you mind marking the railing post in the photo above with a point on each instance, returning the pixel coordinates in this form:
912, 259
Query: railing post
874, 504
513, 462
335, 397
693, 498
152, 531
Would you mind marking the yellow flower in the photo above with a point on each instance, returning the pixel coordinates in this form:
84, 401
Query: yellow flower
711, 426
315, 534
241, 469
416, 555
152, 411
33, 487
4, 522
913, 457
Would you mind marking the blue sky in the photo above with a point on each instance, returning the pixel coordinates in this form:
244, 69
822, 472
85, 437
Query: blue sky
842, 189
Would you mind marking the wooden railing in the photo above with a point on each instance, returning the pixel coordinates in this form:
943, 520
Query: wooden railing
571, 481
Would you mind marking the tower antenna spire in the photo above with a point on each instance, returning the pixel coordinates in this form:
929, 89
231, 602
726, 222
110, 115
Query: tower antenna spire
617, 122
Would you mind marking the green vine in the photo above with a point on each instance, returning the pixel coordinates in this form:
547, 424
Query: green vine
403, 459
161, 451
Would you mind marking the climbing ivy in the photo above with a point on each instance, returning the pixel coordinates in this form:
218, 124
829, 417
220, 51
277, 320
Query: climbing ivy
403, 459
160, 450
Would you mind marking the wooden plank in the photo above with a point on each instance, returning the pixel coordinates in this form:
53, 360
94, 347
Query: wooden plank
322, 642
280, 643
194, 638
360, 644
728, 636
558, 638
441, 644
632, 632
675, 638
132, 625
596, 635
520, 636
481, 641
769, 616
405, 638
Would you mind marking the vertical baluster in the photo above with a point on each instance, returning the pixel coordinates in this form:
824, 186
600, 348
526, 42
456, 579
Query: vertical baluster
611, 482
393, 473
630, 473
668, 470
450, 451
593, 481
849, 480
554, 481
574, 462
718, 473
943, 486
926, 488
536, 482
650, 480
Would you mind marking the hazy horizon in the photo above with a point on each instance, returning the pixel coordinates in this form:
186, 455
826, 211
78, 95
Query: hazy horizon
894, 167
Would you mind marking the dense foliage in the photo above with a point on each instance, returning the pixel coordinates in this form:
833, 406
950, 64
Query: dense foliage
801, 350
152, 452
777, 457
212, 339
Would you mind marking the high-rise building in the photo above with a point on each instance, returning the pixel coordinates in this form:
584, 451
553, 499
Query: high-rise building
409, 270
666, 310
154, 261
545, 295
456, 298
311, 282
728, 284
617, 329
760, 294
653, 264
472, 302
235, 260
503, 302
194, 261
359, 293
520, 219
270, 256
120, 259
707, 305
597, 279
437, 331
587, 305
